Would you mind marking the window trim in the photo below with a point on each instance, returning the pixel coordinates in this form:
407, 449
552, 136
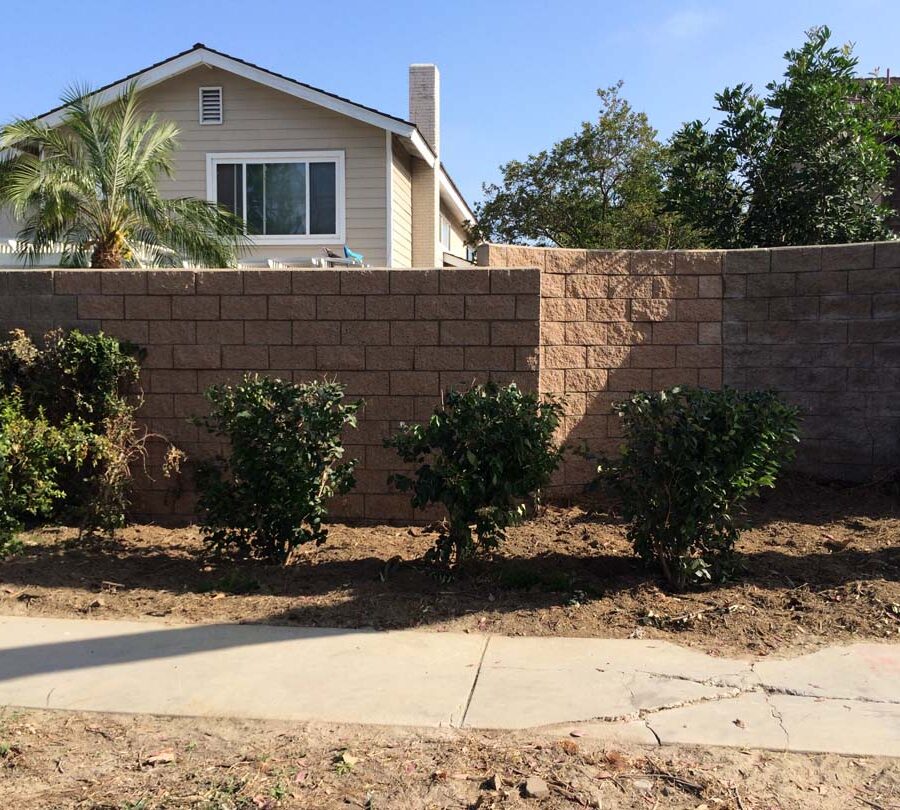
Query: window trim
445, 223
221, 107
310, 156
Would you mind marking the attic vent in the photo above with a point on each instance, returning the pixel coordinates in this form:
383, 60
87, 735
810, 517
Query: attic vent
210, 105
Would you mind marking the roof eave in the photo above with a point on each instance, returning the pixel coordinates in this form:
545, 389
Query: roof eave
451, 193
202, 55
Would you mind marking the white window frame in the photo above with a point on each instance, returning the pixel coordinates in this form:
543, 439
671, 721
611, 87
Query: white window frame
445, 223
337, 157
221, 107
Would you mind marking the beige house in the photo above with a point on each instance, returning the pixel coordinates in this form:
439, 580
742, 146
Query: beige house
306, 169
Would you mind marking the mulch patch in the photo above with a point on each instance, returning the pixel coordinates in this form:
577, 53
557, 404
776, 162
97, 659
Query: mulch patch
821, 566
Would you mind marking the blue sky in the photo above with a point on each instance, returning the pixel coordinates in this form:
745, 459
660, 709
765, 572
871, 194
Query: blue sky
516, 74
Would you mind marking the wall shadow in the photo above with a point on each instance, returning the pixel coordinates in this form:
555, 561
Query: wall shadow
123, 648
385, 593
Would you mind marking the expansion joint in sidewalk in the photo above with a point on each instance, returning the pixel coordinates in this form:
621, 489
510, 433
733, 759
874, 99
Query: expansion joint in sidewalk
462, 721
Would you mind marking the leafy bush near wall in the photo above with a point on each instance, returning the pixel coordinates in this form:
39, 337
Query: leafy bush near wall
32, 453
70, 378
691, 459
481, 454
269, 496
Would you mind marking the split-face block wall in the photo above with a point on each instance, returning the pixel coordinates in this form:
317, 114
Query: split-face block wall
395, 338
819, 324
822, 325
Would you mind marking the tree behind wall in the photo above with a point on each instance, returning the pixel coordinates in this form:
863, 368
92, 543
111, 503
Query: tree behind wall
807, 164
600, 188
91, 185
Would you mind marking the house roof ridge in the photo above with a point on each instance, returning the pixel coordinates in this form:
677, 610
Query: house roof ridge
198, 46
421, 143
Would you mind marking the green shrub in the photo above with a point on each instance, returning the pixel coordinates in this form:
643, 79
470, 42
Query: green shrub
73, 375
31, 455
270, 494
691, 458
481, 454
77, 377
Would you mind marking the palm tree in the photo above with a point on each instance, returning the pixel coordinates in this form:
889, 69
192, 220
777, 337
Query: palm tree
90, 183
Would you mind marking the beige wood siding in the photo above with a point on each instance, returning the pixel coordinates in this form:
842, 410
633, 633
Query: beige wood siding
257, 119
401, 199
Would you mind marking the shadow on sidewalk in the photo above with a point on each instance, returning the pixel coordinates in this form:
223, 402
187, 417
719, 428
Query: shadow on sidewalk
104, 651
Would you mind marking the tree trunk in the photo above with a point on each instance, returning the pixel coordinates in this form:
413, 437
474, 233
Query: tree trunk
108, 255
106, 259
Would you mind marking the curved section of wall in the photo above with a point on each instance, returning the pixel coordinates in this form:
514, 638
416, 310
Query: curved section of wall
819, 324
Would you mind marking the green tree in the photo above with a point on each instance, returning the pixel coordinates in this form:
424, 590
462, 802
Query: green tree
91, 184
807, 164
600, 188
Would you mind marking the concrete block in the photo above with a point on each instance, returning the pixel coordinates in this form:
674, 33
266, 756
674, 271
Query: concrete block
391, 307
267, 282
170, 282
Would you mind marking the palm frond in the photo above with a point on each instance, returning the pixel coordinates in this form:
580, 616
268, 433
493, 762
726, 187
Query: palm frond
91, 183
198, 231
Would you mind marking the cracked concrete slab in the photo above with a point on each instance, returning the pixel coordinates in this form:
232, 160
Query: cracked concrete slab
521, 697
784, 722
844, 700
851, 727
857, 672
743, 721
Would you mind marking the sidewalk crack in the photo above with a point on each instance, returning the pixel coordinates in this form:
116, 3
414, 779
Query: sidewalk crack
777, 716
735, 680
465, 713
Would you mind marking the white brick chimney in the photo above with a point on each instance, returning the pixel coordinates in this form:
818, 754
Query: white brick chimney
425, 103
425, 113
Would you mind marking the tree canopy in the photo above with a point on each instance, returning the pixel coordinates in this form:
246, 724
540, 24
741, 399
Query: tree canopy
806, 164
599, 188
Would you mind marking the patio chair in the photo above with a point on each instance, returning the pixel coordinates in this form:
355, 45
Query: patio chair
332, 259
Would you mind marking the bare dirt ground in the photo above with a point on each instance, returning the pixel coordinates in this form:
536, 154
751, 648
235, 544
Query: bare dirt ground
101, 762
822, 565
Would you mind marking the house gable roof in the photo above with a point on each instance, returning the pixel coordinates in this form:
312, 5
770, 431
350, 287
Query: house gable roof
201, 54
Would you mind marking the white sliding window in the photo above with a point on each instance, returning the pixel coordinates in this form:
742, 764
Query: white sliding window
285, 198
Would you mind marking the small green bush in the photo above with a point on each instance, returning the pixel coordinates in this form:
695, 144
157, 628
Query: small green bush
31, 454
269, 495
481, 454
73, 375
691, 458
84, 378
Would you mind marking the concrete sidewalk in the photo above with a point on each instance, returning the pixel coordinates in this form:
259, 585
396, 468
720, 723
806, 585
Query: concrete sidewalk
843, 700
